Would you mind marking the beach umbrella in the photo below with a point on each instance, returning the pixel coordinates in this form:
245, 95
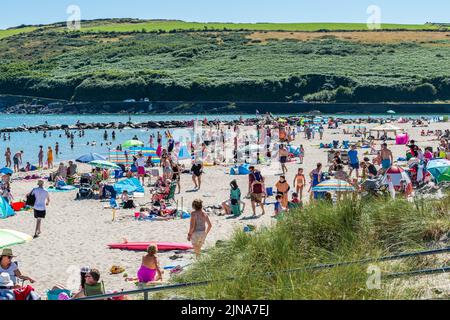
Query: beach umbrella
10, 237
282, 120
391, 111
132, 143
103, 164
333, 185
6, 171
90, 157
439, 169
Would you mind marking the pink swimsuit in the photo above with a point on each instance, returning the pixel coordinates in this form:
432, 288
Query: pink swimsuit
146, 275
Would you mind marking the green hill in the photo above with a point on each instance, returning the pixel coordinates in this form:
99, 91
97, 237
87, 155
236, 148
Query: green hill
167, 60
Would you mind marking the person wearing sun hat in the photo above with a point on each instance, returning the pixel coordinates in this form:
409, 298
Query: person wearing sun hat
8, 266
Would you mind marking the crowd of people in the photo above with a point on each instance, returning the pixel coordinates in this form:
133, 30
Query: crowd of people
274, 143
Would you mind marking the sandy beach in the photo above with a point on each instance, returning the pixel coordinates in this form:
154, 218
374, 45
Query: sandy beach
76, 233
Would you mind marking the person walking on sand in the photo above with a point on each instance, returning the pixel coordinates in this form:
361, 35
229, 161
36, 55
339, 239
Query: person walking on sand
197, 171
17, 159
198, 230
8, 157
353, 161
41, 157
256, 189
316, 178
284, 154
50, 158
140, 165
42, 200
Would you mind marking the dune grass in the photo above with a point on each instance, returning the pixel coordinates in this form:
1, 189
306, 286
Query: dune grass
181, 25
321, 233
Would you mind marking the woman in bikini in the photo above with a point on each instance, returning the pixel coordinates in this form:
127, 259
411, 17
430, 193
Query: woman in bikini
299, 183
150, 270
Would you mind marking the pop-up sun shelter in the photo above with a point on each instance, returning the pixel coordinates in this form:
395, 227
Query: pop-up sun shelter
5, 209
402, 139
184, 153
397, 175
241, 170
131, 185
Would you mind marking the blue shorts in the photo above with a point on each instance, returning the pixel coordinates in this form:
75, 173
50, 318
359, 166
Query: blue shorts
354, 165
386, 164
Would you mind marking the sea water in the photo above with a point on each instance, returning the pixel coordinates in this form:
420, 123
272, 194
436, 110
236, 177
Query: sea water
29, 142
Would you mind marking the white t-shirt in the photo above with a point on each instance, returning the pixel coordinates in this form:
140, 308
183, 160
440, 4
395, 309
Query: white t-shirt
140, 162
41, 196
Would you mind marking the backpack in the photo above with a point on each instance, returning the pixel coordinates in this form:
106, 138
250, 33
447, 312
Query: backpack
31, 199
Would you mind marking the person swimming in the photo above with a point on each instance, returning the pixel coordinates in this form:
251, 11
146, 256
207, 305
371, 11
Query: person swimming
150, 271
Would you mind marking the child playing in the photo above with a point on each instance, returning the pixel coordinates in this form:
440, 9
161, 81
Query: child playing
127, 202
295, 202
299, 183
278, 206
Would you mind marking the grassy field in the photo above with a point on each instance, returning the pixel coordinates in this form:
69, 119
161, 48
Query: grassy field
137, 26
385, 66
181, 25
323, 233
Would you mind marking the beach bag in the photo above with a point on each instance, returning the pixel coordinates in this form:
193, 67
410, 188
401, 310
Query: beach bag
31, 199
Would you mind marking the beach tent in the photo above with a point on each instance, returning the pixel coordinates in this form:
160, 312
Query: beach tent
184, 153
295, 151
402, 139
90, 157
131, 185
9, 238
386, 128
5, 209
397, 174
439, 169
6, 171
241, 170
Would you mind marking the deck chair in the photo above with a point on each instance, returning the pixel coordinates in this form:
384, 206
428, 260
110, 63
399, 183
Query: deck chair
97, 289
171, 195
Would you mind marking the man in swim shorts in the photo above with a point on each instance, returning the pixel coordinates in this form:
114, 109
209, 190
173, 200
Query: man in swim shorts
386, 157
